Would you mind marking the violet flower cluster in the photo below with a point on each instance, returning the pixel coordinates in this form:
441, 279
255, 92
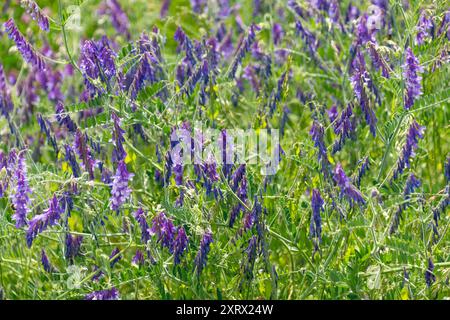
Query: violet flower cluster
411, 74
415, 132
21, 196
348, 190
25, 48
120, 191
36, 13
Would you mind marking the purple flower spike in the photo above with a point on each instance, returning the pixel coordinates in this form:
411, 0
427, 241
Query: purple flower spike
411, 184
120, 190
179, 245
347, 188
73, 245
415, 133
164, 229
25, 49
423, 27
20, 198
63, 118
315, 228
360, 79
115, 257
364, 167
138, 258
6, 104
317, 133
36, 14
344, 126
139, 215
97, 62
430, 278
84, 152
278, 33
45, 262
411, 70
202, 255
41, 222
164, 8
119, 18
249, 261
244, 47
112, 294
198, 6
118, 139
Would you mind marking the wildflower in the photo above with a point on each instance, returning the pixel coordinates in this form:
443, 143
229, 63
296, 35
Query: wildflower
284, 119
41, 222
179, 245
352, 13
377, 60
72, 246
36, 13
411, 70
209, 174
164, 8
363, 34
84, 152
70, 157
442, 206
98, 273
20, 197
198, 6
424, 25
226, 146
118, 139
45, 262
164, 229
139, 215
147, 71
332, 113
344, 126
6, 104
64, 119
411, 184
119, 18
111, 294
249, 261
296, 8
97, 63
184, 43
120, 191
138, 258
333, 11
277, 31
202, 254
359, 79
317, 133
347, 189
445, 25
309, 38
26, 50
244, 47
45, 128
415, 133
315, 228
114, 257
430, 278
364, 166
